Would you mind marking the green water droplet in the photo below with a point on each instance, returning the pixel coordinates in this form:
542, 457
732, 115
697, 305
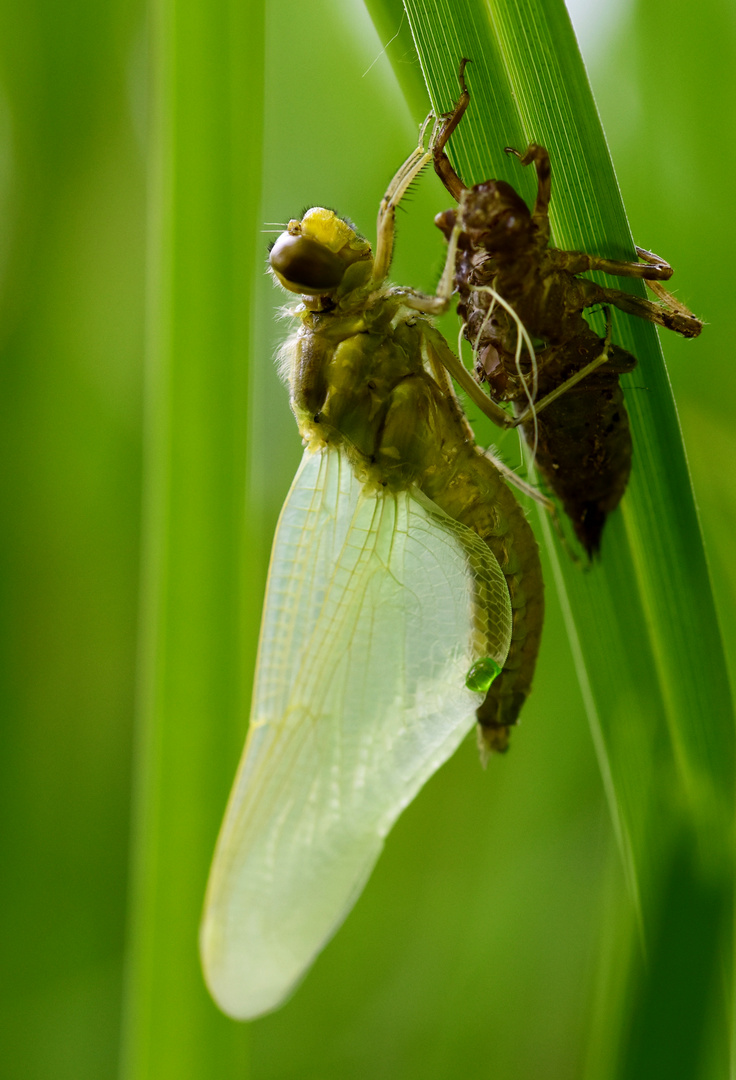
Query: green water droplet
481, 674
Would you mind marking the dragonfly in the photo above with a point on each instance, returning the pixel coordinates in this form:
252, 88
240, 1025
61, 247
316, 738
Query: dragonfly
404, 604
521, 303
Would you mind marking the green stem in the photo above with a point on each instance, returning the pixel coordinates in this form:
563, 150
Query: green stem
204, 213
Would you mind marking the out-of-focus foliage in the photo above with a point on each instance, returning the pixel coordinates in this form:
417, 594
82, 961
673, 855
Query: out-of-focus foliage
72, 99
475, 950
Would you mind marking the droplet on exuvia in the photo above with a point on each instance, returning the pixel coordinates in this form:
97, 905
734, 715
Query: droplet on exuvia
481, 674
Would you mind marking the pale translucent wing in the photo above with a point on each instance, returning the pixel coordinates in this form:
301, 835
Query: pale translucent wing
369, 629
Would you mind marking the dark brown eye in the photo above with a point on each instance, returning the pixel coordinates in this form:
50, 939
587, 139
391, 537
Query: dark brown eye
303, 265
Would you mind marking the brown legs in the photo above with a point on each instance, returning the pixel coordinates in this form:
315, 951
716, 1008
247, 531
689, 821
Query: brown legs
442, 165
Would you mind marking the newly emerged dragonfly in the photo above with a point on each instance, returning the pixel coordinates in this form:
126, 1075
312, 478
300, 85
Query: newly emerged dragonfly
521, 303
404, 600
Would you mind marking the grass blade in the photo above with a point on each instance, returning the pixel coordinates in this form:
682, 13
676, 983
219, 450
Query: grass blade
205, 206
642, 621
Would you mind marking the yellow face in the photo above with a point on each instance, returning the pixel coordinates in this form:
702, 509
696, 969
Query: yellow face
312, 256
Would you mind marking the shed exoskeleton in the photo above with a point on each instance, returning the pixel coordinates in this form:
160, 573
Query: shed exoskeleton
560, 376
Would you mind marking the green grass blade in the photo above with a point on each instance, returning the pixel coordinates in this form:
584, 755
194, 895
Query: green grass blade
204, 215
71, 257
642, 621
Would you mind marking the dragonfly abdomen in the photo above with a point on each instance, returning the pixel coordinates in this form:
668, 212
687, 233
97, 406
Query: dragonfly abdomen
478, 497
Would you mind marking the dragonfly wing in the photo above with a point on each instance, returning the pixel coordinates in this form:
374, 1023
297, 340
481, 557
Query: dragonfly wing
370, 626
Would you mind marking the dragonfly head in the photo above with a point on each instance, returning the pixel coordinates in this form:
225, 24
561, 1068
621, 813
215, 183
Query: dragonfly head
317, 253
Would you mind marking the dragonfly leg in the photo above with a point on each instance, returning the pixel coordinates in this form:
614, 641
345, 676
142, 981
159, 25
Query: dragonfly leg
443, 354
442, 165
395, 192
670, 313
540, 157
442, 378
446, 284
440, 302
652, 268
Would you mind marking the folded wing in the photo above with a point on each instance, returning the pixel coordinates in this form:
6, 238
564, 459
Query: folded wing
377, 606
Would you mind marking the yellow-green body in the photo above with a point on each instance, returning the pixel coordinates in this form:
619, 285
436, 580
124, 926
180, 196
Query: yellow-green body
404, 586
364, 375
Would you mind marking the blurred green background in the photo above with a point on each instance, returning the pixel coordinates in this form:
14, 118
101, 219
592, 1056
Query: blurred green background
482, 945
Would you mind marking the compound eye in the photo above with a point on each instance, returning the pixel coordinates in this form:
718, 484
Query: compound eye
303, 265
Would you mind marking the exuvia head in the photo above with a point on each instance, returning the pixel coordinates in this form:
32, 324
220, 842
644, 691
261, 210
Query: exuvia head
316, 255
495, 215
492, 216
